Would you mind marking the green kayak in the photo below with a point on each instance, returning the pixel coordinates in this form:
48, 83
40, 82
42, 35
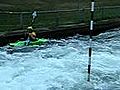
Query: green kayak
32, 43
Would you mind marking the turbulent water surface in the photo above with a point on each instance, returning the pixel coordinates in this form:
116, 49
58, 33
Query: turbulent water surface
63, 65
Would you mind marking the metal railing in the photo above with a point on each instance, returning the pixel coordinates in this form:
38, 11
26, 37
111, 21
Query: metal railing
16, 20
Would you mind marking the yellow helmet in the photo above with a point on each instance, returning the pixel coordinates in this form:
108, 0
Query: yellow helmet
30, 27
33, 33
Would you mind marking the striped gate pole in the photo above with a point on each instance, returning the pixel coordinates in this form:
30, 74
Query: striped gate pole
90, 40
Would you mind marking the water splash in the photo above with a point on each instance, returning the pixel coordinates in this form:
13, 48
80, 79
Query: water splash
63, 65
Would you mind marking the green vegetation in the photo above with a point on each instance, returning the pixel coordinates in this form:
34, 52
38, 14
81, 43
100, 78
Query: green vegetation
13, 21
30, 5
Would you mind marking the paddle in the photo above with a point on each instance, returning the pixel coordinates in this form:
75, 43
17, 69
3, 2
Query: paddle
27, 42
34, 15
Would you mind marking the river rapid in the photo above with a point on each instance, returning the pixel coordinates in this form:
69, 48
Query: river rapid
63, 65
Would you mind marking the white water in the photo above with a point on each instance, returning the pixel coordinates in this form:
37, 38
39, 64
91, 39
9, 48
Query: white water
63, 65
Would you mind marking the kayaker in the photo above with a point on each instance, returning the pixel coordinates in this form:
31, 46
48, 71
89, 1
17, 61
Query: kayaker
31, 35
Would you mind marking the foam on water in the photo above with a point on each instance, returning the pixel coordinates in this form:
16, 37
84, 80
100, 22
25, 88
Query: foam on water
63, 65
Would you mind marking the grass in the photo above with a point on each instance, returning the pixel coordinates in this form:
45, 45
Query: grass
30, 5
